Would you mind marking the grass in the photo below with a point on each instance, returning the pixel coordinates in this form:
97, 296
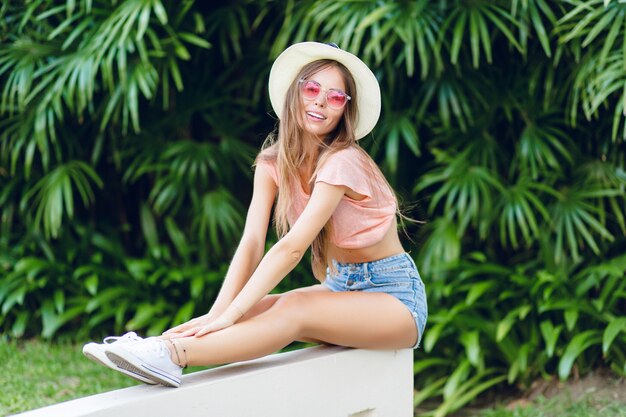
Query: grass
598, 394
559, 407
36, 374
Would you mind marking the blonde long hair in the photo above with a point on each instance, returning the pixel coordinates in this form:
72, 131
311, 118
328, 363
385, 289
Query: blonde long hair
286, 148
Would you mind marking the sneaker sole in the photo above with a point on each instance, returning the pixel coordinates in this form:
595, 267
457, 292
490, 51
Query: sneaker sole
133, 364
135, 375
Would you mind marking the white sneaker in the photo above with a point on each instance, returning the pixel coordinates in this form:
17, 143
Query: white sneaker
149, 357
95, 352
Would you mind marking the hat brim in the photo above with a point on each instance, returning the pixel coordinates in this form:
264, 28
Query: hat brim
290, 62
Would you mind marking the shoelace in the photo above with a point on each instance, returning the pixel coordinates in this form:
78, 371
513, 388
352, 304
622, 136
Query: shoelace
127, 337
152, 346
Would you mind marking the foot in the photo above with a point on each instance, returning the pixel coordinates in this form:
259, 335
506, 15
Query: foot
95, 352
149, 357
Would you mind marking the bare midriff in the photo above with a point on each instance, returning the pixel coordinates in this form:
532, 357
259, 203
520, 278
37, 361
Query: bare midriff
388, 246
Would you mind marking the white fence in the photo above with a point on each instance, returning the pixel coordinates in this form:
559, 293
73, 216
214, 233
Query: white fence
314, 382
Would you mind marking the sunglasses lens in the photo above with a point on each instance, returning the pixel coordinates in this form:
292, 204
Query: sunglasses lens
310, 90
335, 99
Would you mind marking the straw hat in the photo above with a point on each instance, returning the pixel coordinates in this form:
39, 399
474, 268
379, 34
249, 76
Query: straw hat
290, 62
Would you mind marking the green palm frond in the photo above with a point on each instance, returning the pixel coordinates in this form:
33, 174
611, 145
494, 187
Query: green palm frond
456, 100
22, 148
521, 213
231, 24
185, 169
295, 26
125, 50
598, 87
594, 21
441, 249
52, 197
477, 144
415, 25
478, 18
464, 191
574, 221
533, 14
399, 131
604, 174
220, 220
595, 28
543, 146
371, 29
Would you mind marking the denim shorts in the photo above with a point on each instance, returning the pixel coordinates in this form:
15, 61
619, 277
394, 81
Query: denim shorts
396, 275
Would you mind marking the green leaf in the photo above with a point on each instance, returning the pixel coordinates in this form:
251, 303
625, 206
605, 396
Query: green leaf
421, 364
575, 348
615, 326
59, 301
428, 391
160, 11
19, 326
478, 290
150, 232
194, 39
184, 313
470, 341
458, 376
91, 284
432, 335
571, 317
145, 313
504, 326
550, 336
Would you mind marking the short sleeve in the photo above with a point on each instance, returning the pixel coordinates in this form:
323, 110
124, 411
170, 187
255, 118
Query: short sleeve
348, 168
269, 167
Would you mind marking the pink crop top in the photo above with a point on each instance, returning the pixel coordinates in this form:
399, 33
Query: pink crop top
355, 223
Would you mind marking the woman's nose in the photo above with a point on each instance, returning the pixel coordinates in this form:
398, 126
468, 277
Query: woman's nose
320, 100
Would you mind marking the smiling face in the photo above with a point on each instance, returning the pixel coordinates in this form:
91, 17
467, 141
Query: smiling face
319, 118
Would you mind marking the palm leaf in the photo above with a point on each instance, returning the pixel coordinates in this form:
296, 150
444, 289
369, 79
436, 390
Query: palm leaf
52, 197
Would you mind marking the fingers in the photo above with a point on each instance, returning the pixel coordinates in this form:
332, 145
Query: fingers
186, 326
176, 329
203, 331
213, 327
180, 328
197, 327
187, 333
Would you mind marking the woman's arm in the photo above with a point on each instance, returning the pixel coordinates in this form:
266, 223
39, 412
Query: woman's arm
283, 256
252, 245
249, 251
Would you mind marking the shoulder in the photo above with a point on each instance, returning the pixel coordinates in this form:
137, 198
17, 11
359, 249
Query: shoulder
268, 154
350, 167
348, 158
266, 162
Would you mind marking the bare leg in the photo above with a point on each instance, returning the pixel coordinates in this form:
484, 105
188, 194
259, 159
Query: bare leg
269, 300
356, 319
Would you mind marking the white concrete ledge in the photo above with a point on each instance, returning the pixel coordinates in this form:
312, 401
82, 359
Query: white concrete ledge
317, 382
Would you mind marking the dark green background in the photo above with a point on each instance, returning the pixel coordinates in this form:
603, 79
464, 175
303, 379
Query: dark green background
128, 129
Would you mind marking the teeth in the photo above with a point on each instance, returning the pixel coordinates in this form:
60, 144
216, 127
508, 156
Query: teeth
316, 115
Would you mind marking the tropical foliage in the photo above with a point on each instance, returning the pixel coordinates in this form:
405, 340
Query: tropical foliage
128, 128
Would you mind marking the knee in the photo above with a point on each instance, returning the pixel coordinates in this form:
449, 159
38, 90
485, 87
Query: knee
292, 307
263, 305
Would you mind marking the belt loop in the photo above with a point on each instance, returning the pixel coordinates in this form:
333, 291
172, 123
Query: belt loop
366, 270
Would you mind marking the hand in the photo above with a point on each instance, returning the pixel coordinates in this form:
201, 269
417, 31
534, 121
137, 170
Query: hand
206, 324
187, 328
215, 325
226, 319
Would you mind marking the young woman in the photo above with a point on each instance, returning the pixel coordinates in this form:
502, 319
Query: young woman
327, 194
